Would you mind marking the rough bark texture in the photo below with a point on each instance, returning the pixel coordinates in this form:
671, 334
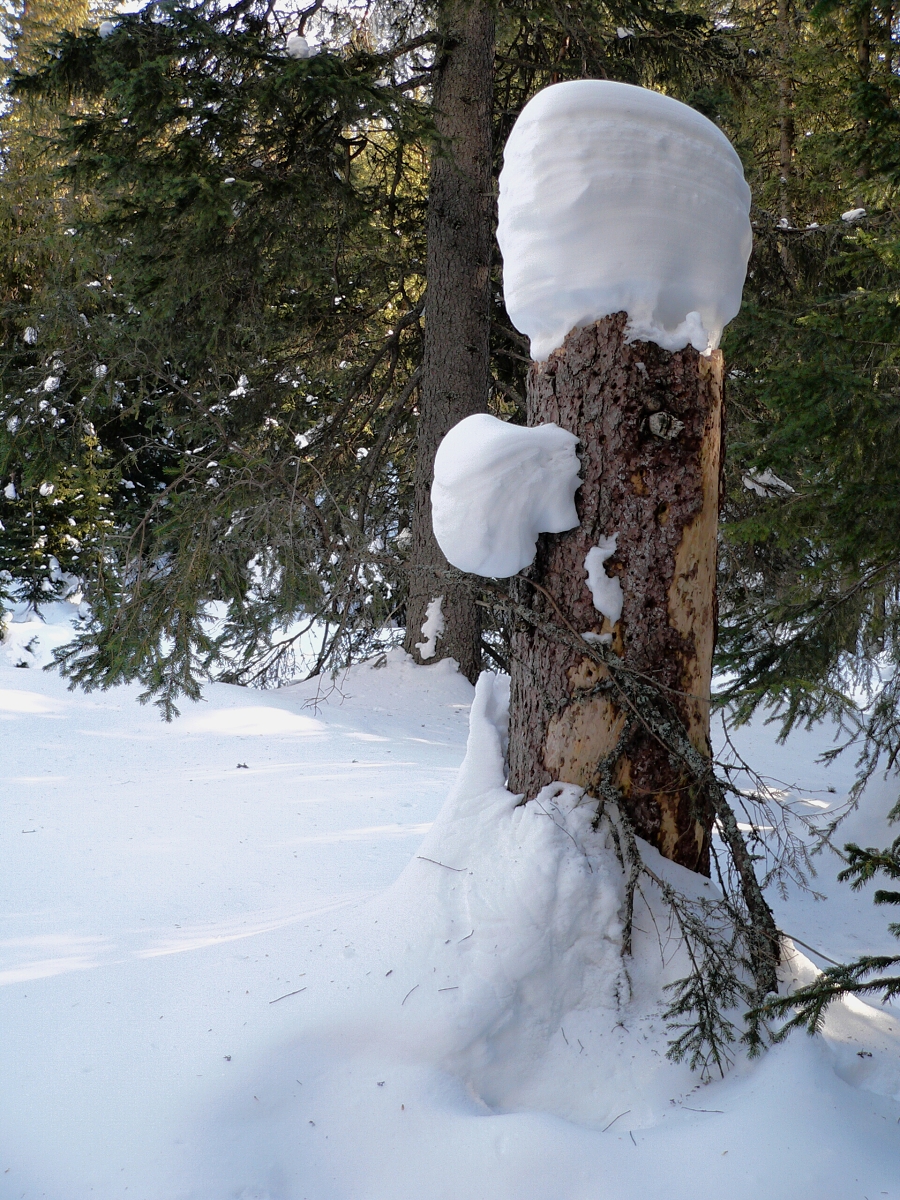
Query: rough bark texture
456, 365
785, 109
649, 422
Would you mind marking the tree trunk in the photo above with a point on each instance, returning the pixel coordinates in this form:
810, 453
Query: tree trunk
456, 367
864, 67
785, 111
649, 422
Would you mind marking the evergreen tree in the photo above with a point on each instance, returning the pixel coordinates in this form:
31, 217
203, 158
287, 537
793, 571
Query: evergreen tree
54, 513
860, 978
810, 578
247, 238
249, 313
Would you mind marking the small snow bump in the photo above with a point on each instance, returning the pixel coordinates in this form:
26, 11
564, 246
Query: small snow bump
298, 47
606, 590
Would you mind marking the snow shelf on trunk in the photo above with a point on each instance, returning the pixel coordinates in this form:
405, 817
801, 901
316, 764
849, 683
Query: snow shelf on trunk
614, 199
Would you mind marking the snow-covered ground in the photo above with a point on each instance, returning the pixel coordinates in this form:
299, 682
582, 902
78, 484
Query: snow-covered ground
260, 953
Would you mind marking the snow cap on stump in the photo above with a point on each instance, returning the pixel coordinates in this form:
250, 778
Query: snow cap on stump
613, 199
298, 47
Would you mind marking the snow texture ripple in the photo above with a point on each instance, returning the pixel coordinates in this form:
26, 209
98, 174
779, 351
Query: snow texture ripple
497, 487
614, 198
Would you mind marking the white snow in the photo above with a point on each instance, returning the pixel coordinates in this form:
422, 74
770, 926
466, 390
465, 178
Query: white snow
298, 47
853, 214
606, 590
232, 967
498, 486
765, 483
9, 491
106, 29
616, 198
30, 335
432, 628
598, 639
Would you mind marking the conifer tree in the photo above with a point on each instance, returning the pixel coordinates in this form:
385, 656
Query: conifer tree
54, 512
247, 312
186, 269
864, 976
810, 580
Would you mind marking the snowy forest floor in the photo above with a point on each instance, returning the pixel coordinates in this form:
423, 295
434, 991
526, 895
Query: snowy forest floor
259, 954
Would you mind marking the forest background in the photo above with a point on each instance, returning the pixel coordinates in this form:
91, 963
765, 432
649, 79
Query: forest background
214, 358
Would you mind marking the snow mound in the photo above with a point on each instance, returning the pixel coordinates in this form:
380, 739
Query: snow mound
614, 198
29, 638
298, 47
494, 964
476, 1031
497, 487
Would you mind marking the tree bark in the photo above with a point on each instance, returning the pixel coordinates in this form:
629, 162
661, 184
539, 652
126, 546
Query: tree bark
456, 364
864, 67
649, 424
785, 111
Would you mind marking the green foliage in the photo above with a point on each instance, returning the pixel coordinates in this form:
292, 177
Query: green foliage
223, 267
719, 980
810, 581
238, 322
860, 978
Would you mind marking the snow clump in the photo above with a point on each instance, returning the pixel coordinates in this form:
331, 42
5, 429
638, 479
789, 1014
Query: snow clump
432, 628
853, 214
298, 47
496, 487
613, 199
106, 29
765, 483
606, 590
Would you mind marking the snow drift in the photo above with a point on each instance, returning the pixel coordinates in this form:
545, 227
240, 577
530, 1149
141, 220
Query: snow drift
614, 198
476, 1031
496, 487
205, 999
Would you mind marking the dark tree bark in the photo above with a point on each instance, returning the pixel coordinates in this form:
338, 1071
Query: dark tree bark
649, 422
456, 366
785, 110
864, 67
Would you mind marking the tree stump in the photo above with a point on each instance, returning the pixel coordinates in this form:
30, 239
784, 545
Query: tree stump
649, 423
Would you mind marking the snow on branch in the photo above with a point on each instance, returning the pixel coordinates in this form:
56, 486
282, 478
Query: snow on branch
614, 198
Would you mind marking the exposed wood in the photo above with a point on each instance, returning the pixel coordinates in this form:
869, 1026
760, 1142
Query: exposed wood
649, 422
456, 366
